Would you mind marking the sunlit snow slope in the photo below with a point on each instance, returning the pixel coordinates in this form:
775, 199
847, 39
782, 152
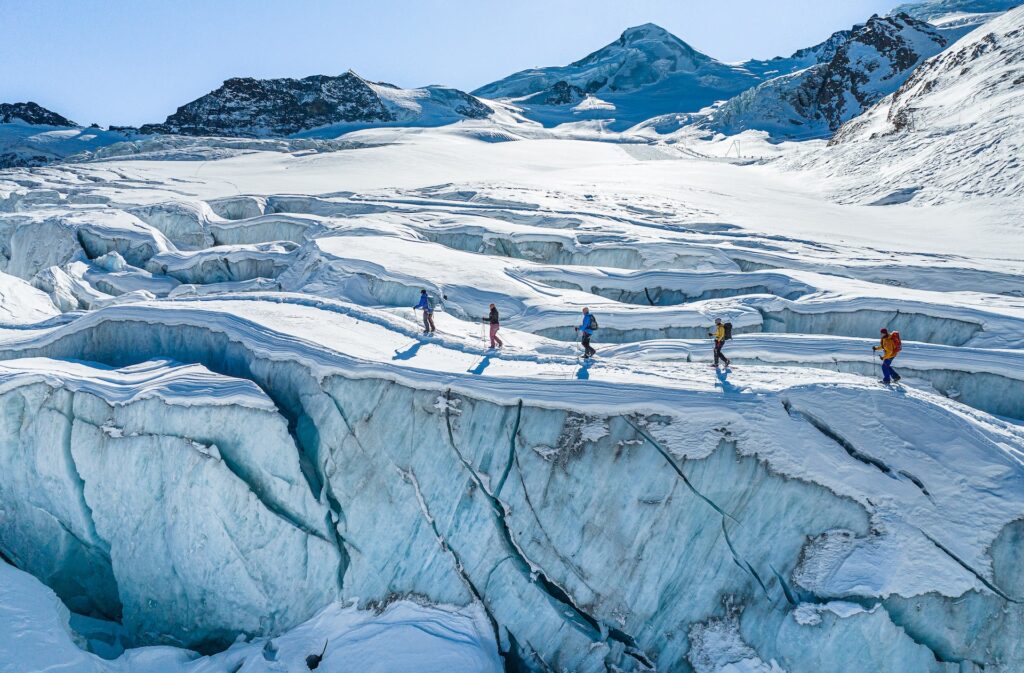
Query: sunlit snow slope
953, 129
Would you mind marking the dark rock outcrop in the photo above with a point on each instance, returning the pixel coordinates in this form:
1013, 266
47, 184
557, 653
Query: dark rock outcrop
31, 113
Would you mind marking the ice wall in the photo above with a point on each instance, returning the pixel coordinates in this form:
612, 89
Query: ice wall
577, 530
163, 496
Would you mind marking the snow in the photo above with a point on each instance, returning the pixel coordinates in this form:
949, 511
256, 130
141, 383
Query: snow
646, 72
951, 130
224, 433
956, 18
37, 637
33, 145
20, 303
813, 102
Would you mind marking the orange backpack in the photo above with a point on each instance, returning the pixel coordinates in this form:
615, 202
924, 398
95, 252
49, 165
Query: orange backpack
897, 345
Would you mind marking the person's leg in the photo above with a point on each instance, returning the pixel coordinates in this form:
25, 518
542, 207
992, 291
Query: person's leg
718, 351
895, 376
426, 321
726, 360
430, 320
887, 370
587, 350
494, 335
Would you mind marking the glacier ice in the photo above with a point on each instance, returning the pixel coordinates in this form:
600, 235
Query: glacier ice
224, 440
40, 634
124, 506
518, 506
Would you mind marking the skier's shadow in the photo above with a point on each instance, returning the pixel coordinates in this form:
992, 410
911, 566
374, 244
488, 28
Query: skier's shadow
584, 371
409, 353
723, 381
481, 366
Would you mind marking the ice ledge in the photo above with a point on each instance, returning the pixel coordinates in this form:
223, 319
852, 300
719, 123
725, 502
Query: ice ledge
188, 385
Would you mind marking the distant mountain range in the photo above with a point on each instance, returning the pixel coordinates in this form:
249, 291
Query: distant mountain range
648, 77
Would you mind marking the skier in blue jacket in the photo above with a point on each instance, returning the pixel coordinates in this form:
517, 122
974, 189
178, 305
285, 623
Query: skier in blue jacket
586, 329
427, 305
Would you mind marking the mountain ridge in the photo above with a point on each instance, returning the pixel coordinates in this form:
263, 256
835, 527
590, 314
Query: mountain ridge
32, 114
645, 72
252, 107
816, 101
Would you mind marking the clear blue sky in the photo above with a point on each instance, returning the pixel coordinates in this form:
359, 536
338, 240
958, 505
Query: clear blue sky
135, 61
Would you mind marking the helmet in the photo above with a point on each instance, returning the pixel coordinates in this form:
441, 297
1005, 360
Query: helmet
718, 321
884, 331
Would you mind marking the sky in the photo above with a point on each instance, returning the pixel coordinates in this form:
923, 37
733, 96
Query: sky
136, 61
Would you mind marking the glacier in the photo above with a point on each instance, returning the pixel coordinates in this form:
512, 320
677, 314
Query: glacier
227, 446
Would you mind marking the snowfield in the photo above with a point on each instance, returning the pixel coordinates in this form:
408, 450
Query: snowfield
227, 446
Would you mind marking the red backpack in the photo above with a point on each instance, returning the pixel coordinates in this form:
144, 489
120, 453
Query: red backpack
897, 345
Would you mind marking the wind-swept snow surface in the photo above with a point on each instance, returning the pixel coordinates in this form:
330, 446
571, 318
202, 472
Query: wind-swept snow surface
227, 446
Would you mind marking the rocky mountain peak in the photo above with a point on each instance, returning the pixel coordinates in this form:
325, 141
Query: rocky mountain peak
31, 113
872, 62
245, 106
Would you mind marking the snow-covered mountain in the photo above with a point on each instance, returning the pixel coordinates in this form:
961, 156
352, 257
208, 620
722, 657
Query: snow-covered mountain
822, 52
956, 18
954, 129
31, 135
646, 72
816, 101
248, 107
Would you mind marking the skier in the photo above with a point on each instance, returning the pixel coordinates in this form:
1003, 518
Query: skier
720, 334
427, 305
495, 325
587, 329
890, 346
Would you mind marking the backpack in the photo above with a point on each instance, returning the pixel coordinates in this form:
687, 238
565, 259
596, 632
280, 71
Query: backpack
728, 331
593, 321
897, 345
430, 303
